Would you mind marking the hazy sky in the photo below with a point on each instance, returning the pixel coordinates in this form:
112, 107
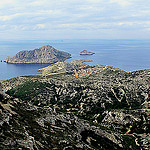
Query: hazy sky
74, 19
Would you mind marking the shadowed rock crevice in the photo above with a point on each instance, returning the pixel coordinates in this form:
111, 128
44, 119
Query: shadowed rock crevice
97, 141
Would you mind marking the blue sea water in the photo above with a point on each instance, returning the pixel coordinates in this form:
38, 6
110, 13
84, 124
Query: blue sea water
127, 55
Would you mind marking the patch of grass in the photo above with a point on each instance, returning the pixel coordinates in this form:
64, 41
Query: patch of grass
129, 142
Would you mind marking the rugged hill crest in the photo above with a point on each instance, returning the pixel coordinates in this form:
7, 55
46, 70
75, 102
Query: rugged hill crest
45, 54
64, 67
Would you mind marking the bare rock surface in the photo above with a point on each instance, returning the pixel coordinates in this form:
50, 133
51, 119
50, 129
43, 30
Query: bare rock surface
109, 109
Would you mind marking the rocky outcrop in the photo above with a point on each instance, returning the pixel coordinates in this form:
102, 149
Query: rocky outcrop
3, 97
106, 110
1, 92
85, 52
30, 127
45, 54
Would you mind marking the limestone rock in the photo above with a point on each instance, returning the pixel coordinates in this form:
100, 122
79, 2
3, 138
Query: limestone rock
107, 110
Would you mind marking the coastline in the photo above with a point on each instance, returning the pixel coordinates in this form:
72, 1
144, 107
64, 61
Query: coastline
128, 55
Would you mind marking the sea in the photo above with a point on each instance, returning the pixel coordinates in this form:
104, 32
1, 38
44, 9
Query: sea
126, 54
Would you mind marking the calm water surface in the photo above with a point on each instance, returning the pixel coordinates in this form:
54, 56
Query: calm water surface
126, 54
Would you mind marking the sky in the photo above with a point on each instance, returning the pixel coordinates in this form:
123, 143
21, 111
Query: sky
74, 19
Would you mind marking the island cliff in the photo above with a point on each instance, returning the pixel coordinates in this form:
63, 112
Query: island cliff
45, 54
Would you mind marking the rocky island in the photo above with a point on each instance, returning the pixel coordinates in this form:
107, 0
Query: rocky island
44, 54
95, 107
85, 52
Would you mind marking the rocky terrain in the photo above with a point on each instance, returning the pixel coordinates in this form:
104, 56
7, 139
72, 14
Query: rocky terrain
64, 67
45, 54
85, 52
109, 109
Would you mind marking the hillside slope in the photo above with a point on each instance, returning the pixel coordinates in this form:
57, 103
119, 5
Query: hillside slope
106, 110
